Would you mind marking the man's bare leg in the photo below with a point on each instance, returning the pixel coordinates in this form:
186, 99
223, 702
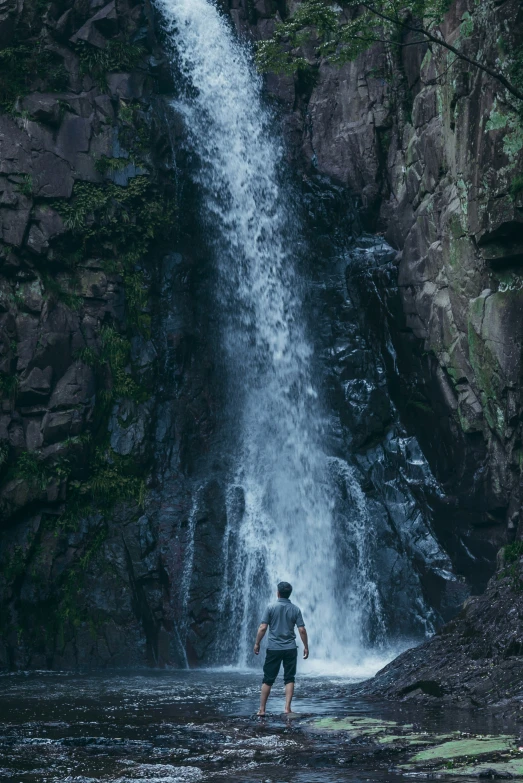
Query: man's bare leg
265, 691
289, 693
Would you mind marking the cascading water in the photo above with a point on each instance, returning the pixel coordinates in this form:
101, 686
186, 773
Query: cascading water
294, 511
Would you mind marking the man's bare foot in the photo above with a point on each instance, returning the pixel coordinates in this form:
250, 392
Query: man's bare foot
260, 714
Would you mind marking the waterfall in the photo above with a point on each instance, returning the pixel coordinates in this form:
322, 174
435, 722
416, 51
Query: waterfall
294, 512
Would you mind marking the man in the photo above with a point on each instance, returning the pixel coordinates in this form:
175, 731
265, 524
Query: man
281, 618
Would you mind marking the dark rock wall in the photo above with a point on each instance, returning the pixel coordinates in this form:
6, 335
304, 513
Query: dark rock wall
433, 150
94, 367
475, 660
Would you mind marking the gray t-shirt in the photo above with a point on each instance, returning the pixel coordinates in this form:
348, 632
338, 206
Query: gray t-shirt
281, 618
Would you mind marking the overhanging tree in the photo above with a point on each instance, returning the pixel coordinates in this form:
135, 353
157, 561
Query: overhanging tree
341, 38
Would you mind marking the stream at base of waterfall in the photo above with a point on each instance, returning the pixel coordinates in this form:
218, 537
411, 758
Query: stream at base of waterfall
191, 726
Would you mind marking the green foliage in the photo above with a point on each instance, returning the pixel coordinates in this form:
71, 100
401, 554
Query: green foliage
40, 474
512, 552
341, 32
118, 225
342, 38
114, 356
117, 56
516, 186
70, 298
26, 186
88, 200
123, 220
21, 65
511, 556
126, 113
115, 353
105, 165
133, 129
4, 452
8, 384
14, 566
136, 298
112, 480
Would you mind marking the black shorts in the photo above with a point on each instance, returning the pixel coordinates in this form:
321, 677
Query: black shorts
273, 661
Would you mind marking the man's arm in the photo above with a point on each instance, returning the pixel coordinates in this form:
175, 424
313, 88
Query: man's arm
305, 639
259, 636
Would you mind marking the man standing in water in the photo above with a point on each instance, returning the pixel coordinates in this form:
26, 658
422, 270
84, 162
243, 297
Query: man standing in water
281, 619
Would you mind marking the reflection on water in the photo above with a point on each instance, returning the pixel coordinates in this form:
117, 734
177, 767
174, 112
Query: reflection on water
184, 726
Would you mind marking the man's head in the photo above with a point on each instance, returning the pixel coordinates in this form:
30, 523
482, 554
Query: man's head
284, 590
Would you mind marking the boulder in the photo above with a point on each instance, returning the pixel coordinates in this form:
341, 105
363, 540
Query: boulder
13, 225
129, 86
75, 387
35, 386
59, 425
52, 176
103, 24
73, 137
42, 108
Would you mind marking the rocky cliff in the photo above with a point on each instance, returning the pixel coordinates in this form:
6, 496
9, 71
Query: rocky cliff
89, 207
433, 149
112, 509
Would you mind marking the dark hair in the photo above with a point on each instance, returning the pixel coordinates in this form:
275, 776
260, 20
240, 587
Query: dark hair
284, 589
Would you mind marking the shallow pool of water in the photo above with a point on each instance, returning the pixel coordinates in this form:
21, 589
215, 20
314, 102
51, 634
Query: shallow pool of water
185, 726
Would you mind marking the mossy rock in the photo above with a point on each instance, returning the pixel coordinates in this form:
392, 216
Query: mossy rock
354, 725
460, 748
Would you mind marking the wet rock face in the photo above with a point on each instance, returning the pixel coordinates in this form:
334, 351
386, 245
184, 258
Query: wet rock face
352, 316
434, 155
475, 660
88, 212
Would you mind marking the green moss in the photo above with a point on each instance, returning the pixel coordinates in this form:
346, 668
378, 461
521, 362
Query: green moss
14, 565
513, 137
114, 357
118, 225
113, 220
360, 726
504, 770
516, 186
496, 121
136, 298
513, 552
513, 143
21, 65
26, 186
511, 557
467, 25
105, 165
71, 299
118, 56
482, 363
418, 406
112, 480
8, 384
39, 474
476, 746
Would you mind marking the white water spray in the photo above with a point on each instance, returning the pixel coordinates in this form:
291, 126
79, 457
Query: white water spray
286, 527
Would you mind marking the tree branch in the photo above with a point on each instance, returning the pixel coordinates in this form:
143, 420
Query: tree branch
442, 42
